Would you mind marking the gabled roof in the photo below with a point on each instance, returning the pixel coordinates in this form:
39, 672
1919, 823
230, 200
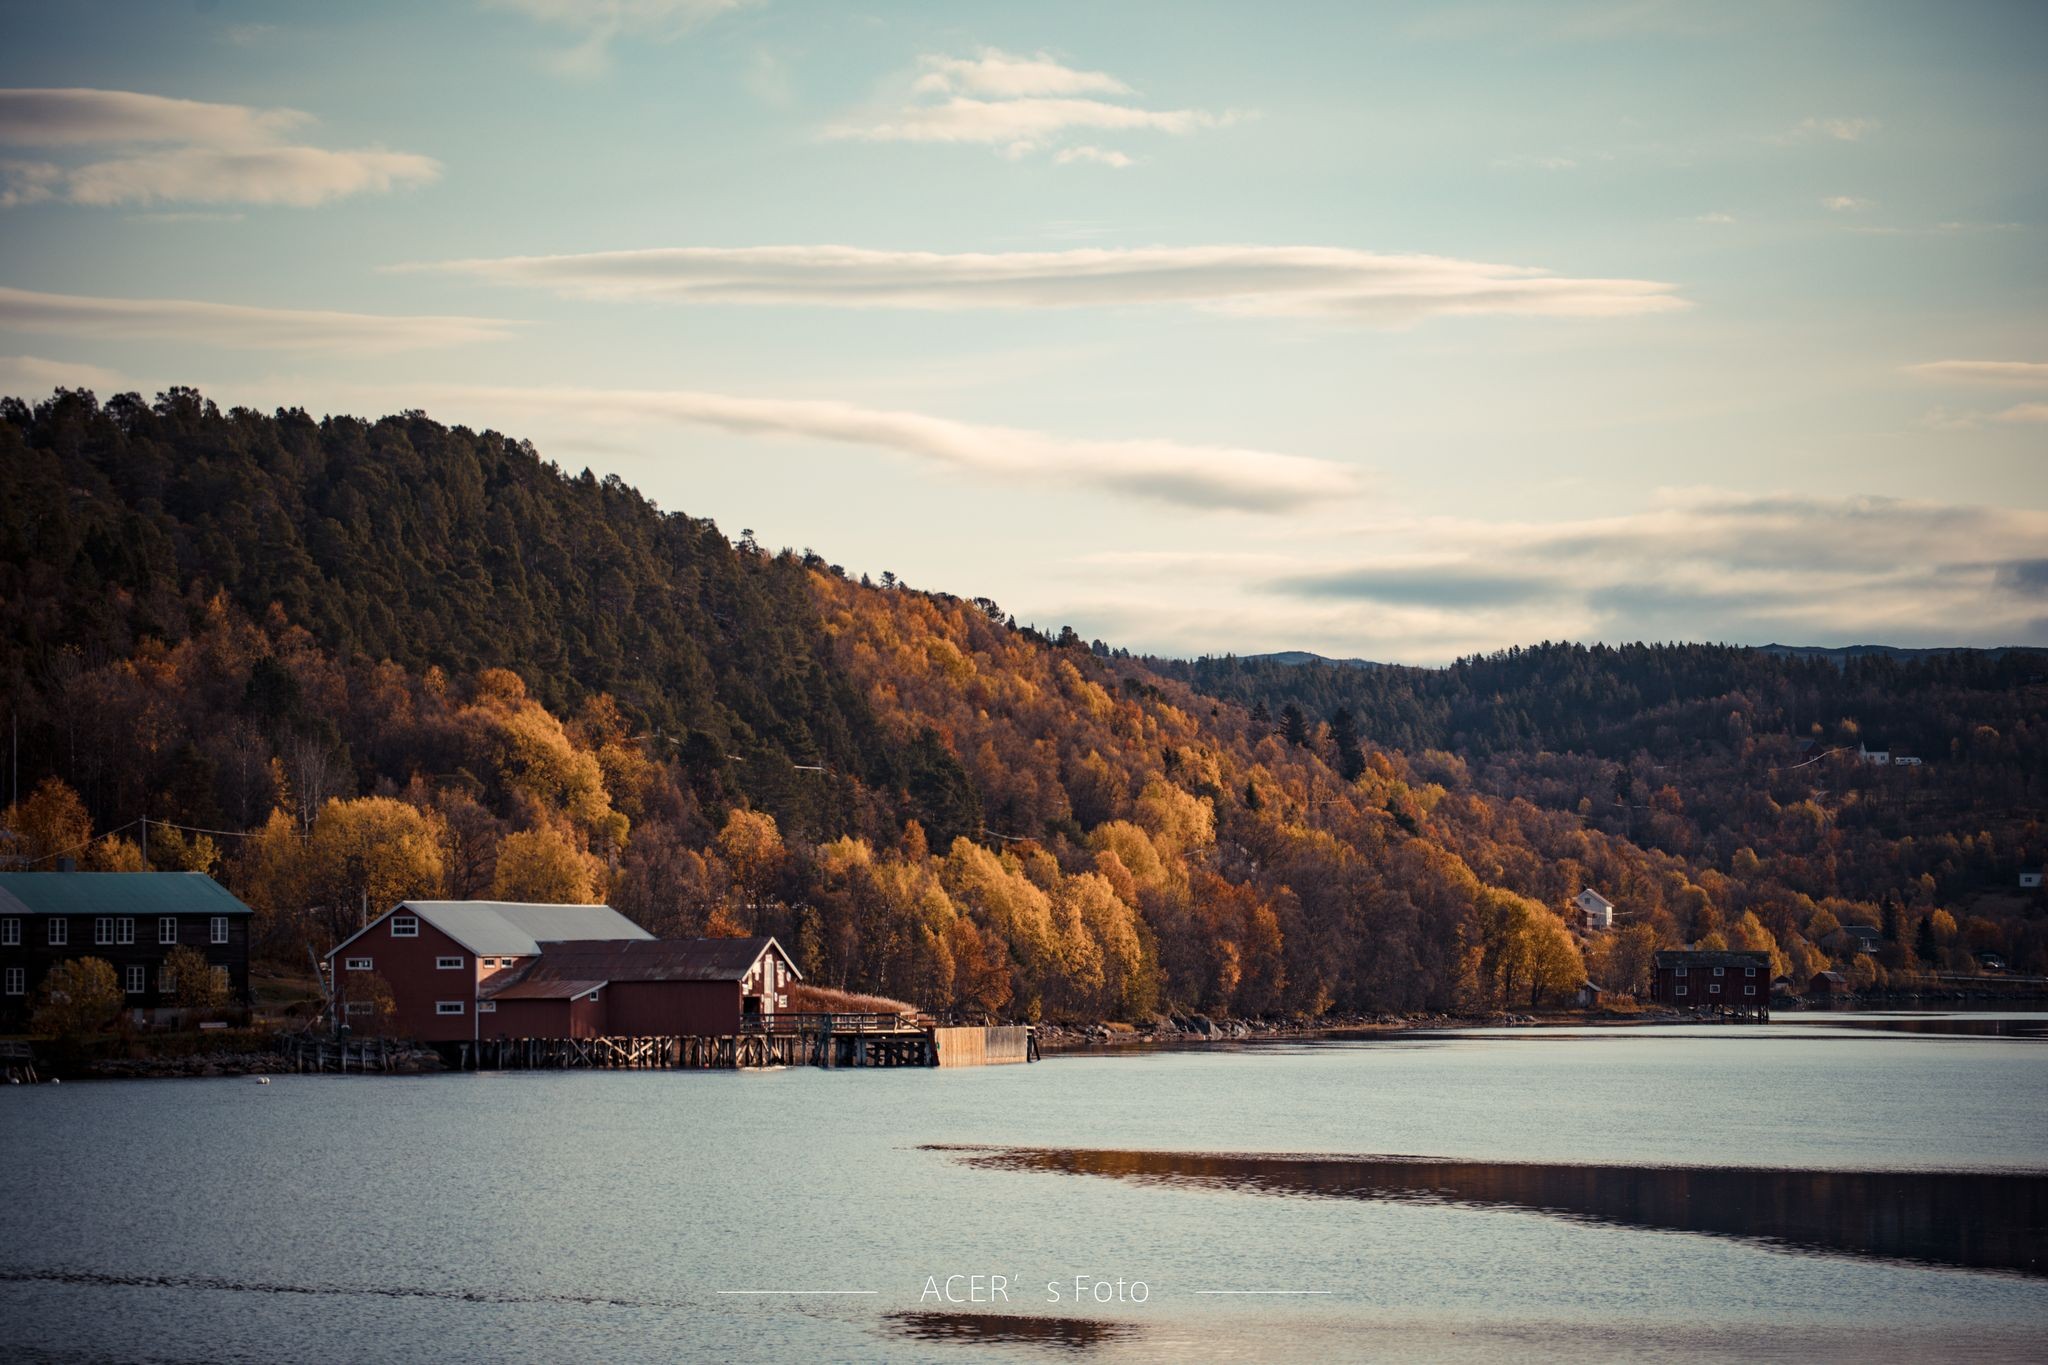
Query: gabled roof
511, 928
1589, 891
1711, 957
115, 893
540, 990
665, 959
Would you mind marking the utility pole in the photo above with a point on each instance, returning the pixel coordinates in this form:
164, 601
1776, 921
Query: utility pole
145, 843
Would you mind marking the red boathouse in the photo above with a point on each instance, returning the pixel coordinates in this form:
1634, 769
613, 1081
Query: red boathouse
462, 971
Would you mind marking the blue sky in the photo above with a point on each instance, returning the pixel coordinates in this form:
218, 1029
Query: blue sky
1388, 330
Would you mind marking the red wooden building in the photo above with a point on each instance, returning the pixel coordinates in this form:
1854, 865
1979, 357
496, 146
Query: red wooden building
460, 971
1734, 981
660, 988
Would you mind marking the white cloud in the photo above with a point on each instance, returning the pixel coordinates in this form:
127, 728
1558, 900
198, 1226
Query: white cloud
1717, 219
2025, 412
182, 151
1023, 124
1330, 282
1000, 75
2031, 374
1693, 565
1830, 130
1198, 476
28, 376
1844, 203
1099, 156
1016, 104
233, 325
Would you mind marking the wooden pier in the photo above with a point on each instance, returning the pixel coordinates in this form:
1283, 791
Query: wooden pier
828, 1041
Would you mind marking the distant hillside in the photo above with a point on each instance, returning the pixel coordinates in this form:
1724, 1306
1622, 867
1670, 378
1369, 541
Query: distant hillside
1301, 656
360, 660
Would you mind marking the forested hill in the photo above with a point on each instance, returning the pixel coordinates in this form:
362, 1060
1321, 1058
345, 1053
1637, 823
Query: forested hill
343, 662
1613, 701
408, 541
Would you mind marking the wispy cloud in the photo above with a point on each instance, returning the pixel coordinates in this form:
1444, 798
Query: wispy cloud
1099, 156
1328, 282
1016, 104
2031, 374
234, 325
1836, 129
1194, 476
600, 23
1844, 203
162, 150
29, 376
996, 74
1698, 564
2025, 412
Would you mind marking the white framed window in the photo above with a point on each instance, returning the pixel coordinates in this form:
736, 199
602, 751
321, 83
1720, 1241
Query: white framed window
1720, 971
405, 926
448, 964
166, 980
486, 1007
1680, 972
447, 1007
218, 929
136, 978
103, 929
359, 964
359, 1007
1714, 989
591, 996
10, 932
17, 981
124, 930
1749, 990
166, 929
1749, 971
60, 932
1681, 989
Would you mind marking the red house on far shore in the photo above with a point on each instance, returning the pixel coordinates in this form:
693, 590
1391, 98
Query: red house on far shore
459, 971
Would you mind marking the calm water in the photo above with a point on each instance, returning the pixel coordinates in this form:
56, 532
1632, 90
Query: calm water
553, 1217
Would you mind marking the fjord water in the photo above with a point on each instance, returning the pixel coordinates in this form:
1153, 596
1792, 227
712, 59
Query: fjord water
598, 1215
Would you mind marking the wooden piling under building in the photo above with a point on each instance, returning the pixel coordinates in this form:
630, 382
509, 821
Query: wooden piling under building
830, 1042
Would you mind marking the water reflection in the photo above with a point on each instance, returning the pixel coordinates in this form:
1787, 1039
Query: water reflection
990, 1329
1981, 1220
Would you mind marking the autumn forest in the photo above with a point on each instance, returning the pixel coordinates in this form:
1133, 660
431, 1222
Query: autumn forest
340, 662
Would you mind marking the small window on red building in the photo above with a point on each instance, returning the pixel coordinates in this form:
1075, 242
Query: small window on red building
448, 1007
448, 964
405, 926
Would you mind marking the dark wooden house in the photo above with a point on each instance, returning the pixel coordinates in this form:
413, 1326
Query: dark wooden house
463, 971
1717, 981
428, 962
132, 920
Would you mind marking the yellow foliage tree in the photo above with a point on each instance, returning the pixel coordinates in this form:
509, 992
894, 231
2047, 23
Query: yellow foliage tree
542, 866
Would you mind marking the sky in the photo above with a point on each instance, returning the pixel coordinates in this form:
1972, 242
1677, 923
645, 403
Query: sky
1395, 331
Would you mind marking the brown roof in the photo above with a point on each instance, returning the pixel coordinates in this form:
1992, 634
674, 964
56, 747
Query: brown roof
546, 989
661, 959
1710, 957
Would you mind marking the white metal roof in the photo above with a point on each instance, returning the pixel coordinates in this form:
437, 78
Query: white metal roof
513, 928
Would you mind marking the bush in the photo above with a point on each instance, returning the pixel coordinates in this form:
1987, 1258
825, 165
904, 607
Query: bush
79, 996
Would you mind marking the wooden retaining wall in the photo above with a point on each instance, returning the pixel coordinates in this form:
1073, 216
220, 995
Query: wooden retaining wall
997, 1046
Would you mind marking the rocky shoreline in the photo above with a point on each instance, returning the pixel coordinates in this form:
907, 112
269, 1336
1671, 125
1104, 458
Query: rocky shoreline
1201, 1028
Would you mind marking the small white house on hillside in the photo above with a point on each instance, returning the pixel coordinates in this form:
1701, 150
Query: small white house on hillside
1599, 910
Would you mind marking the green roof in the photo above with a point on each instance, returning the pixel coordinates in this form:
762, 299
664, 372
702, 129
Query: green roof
115, 893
